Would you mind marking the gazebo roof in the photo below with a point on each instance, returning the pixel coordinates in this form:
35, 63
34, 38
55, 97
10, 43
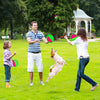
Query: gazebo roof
80, 14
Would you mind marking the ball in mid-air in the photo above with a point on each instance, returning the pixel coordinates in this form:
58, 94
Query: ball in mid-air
56, 17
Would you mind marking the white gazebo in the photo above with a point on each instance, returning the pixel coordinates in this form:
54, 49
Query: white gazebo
79, 16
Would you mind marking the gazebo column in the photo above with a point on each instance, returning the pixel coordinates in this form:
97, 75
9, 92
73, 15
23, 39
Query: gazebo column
90, 28
69, 30
86, 24
76, 21
79, 24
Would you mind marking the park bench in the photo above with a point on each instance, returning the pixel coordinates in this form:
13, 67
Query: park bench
5, 37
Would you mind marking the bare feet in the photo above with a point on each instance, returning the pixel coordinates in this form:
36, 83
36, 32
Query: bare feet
46, 81
93, 88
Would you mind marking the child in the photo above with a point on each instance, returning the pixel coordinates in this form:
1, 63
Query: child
82, 52
7, 62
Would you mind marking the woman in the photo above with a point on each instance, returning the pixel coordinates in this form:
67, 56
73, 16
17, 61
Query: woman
82, 52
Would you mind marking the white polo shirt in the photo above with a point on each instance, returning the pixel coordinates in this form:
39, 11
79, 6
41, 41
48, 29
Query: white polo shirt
81, 47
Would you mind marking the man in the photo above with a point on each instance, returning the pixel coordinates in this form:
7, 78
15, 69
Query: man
34, 53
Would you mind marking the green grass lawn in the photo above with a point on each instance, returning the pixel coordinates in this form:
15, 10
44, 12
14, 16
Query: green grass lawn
59, 87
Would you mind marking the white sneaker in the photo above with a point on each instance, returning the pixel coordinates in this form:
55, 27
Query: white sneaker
41, 82
31, 83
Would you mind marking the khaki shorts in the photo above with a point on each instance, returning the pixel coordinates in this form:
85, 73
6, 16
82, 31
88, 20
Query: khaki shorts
34, 58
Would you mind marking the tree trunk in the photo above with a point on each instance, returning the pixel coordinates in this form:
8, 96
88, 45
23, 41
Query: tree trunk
55, 36
23, 34
5, 30
11, 28
27, 27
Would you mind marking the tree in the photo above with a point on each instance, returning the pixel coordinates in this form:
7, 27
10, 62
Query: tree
13, 14
92, 8
43, 11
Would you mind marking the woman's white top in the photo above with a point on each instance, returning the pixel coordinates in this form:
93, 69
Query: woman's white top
81, 47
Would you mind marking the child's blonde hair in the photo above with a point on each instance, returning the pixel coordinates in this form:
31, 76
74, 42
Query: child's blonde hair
5, 45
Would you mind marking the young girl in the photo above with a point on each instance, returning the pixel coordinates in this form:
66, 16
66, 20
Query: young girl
82, 52
7, 62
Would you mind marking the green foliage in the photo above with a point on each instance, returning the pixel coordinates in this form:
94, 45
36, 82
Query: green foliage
13, 14
44, 11
93, 29
92, 8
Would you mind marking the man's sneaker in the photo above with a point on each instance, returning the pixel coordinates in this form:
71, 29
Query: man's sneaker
31, 83
75, 90
41, 82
